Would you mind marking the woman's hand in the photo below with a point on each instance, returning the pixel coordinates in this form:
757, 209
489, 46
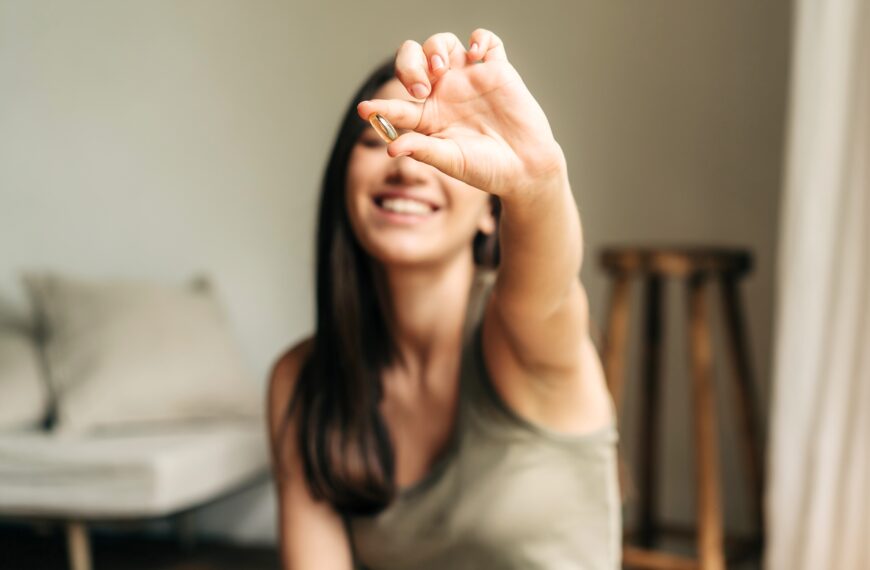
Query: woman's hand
477, 121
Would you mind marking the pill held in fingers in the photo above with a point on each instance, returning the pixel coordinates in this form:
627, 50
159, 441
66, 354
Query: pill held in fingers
383, 127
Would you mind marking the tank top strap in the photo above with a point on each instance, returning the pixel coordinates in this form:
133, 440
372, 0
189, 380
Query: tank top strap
481, 287
481, 407
472, 386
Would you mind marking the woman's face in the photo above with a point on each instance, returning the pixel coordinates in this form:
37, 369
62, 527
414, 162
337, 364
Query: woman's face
406, 212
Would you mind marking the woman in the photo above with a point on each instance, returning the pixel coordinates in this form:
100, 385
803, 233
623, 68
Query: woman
438, 419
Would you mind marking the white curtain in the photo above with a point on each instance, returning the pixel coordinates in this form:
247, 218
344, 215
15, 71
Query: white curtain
818, 501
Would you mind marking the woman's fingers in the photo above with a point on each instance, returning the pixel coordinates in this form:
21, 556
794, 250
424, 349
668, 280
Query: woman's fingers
485, 46
402, 114
419, 67
412, 69
443, 154
443, 51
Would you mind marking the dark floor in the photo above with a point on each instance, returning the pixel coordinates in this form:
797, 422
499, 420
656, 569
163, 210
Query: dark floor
35, 548
24, 549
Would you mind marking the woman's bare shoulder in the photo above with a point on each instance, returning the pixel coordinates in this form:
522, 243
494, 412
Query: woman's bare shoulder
283, 377
286, 367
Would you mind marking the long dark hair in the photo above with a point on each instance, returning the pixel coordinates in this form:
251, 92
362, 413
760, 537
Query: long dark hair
342, 438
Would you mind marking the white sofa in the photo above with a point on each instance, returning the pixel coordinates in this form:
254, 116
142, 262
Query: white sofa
84, 479
149, 408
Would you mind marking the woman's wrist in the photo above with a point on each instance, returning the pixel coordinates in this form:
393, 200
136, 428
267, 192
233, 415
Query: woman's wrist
546, 173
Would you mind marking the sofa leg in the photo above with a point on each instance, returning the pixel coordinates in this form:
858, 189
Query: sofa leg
185, 525
77, 545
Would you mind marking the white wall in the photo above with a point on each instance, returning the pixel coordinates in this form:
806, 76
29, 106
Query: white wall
158, 139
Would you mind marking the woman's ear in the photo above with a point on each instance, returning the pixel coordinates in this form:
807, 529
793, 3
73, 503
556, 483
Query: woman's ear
487, 222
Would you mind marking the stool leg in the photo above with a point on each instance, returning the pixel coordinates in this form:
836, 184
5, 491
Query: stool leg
710, 551
614, 340
78, 545
738, 348
613, 359
649, 424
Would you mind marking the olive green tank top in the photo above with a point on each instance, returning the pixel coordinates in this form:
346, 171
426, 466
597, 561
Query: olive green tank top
506, 494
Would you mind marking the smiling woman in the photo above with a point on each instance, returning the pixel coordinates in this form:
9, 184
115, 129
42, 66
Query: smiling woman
450, 410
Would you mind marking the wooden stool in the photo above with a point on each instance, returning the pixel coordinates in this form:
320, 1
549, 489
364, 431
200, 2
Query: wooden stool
697, 267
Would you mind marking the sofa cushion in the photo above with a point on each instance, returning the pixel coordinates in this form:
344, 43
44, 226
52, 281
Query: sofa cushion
123, 353
23, 391
115, 475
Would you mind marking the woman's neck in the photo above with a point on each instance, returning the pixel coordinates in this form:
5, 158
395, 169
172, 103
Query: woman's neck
429, 308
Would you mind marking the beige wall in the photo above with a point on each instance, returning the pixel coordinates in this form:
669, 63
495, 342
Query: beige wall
157, 139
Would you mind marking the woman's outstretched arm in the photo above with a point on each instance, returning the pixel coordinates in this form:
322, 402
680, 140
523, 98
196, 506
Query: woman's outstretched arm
479, 123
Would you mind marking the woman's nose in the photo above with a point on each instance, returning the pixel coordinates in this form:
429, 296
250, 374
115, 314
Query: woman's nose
406, 170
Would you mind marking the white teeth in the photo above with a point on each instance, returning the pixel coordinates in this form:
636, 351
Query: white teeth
404, 206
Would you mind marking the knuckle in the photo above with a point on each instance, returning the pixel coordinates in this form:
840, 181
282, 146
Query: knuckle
440, 41
454, 43
404, 75
408, 72
449, 38
431, 43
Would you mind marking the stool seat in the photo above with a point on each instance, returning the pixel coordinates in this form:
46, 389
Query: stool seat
676, 261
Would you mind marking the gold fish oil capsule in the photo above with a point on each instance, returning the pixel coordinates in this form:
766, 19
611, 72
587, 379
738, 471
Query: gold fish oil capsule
383, 127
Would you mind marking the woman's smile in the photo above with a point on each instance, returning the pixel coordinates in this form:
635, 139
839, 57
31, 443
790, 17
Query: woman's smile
405, 209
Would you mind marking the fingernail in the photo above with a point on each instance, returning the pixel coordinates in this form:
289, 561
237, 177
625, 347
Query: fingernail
419, 90
474, 47
437, 62
404, 153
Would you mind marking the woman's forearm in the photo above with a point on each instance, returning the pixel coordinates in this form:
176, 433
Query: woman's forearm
541, 247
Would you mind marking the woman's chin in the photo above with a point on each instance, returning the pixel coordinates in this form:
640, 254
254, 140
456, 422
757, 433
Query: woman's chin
404, 253
406, 259
393, 249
